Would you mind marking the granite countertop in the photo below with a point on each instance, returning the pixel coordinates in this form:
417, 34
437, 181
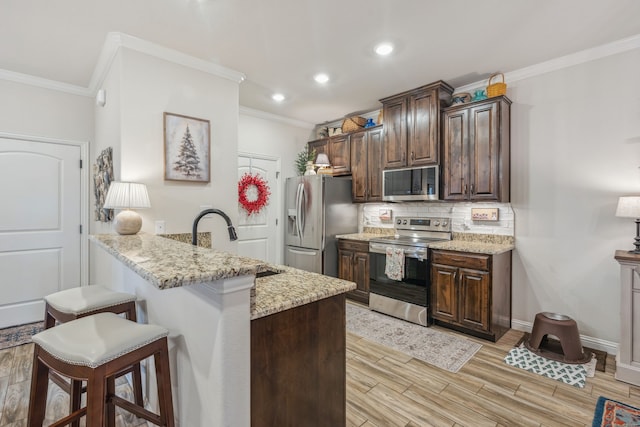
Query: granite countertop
168, 263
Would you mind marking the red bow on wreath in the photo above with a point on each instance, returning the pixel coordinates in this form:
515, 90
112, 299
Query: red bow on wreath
247, 182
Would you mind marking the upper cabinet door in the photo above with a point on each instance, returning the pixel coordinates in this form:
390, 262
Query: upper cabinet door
394, 114
455, 171
484, 152
423, 135
340, 154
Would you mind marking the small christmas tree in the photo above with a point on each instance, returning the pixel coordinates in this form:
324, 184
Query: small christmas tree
188, 160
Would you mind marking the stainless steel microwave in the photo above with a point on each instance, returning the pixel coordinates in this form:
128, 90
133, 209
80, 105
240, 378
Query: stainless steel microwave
410, 184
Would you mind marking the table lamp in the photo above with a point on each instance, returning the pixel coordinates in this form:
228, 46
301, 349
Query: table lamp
323, 164
127, 196
629, 207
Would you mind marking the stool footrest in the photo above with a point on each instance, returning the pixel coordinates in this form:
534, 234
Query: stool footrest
135, 409
70, 418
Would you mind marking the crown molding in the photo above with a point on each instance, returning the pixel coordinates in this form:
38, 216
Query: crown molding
274, 117
30, 80
115, 41
587, 55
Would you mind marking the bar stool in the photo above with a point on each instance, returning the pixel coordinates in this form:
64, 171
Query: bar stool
96, 349
71, 304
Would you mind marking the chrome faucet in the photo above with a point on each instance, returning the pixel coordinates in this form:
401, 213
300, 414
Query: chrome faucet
194, 234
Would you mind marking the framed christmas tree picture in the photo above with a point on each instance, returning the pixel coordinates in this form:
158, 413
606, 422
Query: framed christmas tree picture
187, 148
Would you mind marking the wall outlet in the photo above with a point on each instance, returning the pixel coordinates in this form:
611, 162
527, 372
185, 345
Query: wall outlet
160, 227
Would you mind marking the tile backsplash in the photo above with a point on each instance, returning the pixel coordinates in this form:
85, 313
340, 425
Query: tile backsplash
374, 215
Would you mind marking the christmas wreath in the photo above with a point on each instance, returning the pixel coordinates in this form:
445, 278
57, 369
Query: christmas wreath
250, 184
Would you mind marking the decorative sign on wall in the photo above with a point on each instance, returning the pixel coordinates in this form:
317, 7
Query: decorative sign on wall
484, 214
186, 148
102, 178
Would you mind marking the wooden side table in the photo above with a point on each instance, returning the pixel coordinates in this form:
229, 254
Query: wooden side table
628, 359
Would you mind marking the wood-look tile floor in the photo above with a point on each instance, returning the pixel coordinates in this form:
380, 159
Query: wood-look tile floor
389, 388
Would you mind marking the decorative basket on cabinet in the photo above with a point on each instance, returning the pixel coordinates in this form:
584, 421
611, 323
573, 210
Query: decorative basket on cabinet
351, 124
496, 89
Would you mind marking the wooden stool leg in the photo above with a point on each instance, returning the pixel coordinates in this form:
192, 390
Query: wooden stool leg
49, 320
163, 377
96, 397
110, 408
136, 375
75, 398
38, 394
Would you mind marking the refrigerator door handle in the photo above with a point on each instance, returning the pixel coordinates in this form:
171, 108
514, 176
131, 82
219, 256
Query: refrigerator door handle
311, 253
298, 208
302, 214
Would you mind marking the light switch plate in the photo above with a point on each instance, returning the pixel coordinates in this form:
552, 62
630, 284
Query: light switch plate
160, 227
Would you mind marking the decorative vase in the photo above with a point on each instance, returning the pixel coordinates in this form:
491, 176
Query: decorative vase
310, 170
369, 123
479, 95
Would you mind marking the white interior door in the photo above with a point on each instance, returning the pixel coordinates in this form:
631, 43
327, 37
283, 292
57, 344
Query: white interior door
258, 232
40, 240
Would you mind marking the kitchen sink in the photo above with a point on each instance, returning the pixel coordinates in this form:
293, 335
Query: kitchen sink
267, 273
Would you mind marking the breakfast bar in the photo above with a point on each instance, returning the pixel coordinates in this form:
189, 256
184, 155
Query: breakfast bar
250, 343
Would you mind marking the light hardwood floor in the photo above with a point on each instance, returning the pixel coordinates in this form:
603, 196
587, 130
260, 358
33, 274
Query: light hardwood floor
388, 388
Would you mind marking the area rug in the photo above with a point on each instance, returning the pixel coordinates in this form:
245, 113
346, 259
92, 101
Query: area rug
18, 335
440, 349
572, 374
611, 413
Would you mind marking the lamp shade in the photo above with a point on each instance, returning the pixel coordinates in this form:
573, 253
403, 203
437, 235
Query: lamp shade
628, 207
127, 195
322, 160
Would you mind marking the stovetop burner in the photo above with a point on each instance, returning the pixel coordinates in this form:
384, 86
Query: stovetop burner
417, 231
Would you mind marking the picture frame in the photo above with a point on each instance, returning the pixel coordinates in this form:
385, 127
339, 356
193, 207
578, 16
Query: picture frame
187, 148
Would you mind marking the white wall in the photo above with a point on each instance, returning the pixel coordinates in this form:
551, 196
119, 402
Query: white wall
34, 111
146, 87
575, 144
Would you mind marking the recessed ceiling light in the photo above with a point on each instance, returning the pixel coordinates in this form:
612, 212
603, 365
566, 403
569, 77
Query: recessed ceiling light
278, 97
321, 78
384, 49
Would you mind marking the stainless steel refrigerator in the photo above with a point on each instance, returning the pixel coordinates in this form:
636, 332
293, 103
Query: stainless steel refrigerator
318, 208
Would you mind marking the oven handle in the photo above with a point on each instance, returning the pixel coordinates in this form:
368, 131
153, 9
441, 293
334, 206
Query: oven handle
378, 248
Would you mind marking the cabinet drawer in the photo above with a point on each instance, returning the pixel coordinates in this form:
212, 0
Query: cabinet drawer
458, 259
353, 245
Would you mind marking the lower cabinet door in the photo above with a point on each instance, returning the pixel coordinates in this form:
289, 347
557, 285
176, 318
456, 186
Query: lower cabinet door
474, 299
444, 293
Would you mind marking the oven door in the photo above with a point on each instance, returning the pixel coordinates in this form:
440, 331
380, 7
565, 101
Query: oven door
414, 286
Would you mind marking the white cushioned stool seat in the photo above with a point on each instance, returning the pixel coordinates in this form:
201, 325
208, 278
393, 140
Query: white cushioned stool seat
94, 340
87, 298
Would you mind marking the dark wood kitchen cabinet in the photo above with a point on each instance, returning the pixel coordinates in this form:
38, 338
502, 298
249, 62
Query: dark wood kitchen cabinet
476, 150
412, 125
366, 165
338, 148
353, 265
472, 292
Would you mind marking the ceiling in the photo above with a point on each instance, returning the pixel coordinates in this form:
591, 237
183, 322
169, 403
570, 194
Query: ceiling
280, 44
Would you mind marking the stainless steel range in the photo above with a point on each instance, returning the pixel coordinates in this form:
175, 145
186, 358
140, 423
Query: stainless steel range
406, 295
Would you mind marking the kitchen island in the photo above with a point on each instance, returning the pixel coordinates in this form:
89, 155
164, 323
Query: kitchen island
244, 350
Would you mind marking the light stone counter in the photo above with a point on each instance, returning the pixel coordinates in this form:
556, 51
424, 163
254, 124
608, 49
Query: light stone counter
167, 263
473, 247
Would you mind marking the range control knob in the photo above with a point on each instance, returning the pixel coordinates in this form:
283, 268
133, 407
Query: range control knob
436, 223
404, 222
398, 221
445, 223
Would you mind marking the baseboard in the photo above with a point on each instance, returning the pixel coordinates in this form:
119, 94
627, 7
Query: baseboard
597, 344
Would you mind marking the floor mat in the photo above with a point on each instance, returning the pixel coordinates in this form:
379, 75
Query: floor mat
18, 335
610, 413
